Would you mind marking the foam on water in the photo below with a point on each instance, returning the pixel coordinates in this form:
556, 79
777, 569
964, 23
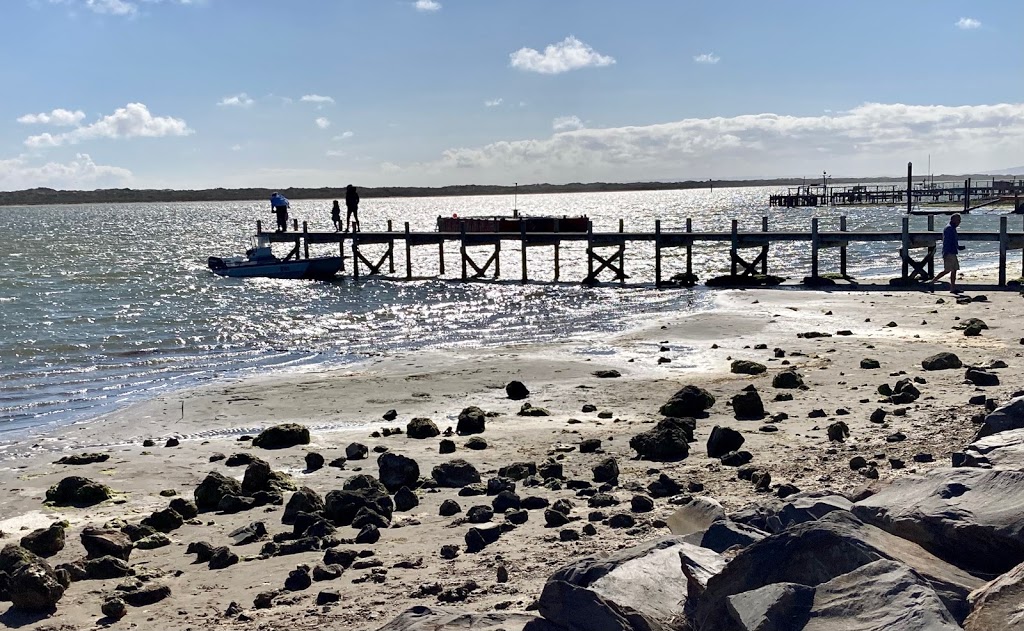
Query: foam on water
103, 305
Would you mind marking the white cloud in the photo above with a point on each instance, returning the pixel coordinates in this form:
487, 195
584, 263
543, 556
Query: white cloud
343, 136
236, 147
968, 24
569, 54
872, 139
566, 123
316, 98
492, 103
239, 100
706, 58
335, 153
118, 7
82, 172
427, 5
131, 121
58, 117
322, 123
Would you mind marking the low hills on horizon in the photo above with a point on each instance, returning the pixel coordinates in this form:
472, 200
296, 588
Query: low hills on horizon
45, 196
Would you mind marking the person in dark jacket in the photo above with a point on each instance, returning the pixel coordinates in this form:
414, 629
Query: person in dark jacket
336, 216
352, 203
950, 260
279, 205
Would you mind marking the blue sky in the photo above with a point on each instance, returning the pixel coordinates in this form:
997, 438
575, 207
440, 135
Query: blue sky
276, 93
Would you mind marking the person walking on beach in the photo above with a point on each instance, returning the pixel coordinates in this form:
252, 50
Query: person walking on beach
950, 247
352, 203
336, 216
279, 205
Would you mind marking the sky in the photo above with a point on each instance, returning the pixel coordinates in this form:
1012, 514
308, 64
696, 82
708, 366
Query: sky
308, 93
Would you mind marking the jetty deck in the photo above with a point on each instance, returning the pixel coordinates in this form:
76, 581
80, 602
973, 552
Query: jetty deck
966, 195
606, 251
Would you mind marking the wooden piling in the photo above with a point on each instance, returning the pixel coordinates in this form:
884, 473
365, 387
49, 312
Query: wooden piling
689, 250
764, 248
931, 259
557, 271
295, 225
910, 189
842, 248
657, 252
1003, 242
590, 253
462, 246
815, 244
355, 257
259, 226
408, 254
305, 242
905, 247
734, 250
522, 242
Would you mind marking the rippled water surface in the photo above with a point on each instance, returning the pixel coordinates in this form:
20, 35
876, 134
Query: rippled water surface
100, 305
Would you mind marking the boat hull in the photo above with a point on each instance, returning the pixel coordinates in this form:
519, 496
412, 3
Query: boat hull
322, 268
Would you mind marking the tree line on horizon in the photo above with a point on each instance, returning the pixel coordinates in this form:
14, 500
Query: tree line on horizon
49, 196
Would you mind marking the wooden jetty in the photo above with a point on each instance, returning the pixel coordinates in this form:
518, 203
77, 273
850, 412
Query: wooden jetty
606, 251
982, 192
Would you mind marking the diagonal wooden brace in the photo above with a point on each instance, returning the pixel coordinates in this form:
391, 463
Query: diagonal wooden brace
920, 268
752, 267
388, 255
480, 271
608, 263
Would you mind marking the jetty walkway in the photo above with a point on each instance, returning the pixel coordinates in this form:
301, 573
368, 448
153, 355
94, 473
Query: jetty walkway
606, 251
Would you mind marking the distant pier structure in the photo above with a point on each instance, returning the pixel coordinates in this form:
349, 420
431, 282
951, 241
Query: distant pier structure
965, 196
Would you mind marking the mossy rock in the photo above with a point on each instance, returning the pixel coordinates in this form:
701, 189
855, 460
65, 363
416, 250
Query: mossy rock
282, 436
77, 491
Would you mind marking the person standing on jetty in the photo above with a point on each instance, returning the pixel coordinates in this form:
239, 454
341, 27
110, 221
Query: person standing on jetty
336, 216
950, 247
279, 205
352, 203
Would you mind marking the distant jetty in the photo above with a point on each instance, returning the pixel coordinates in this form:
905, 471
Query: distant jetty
43, 196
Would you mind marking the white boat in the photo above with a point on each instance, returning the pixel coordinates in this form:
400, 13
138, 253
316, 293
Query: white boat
259, 261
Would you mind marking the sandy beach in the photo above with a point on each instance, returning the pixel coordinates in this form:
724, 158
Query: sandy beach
897, 328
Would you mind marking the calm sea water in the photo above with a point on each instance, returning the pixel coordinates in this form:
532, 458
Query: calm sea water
103, 305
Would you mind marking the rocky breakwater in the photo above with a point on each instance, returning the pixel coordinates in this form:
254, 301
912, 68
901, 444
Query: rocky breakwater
933, 552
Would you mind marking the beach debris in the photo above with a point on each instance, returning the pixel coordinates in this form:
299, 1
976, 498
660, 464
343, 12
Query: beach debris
282, 436
323, 572
746, 367
748, 405
83, 459
172, 442
689, 402
471, 421
77, 491
878, 416
588, 408
328, 596
941, 361
666, 441
516, 390
264, 600
421, 428
457, 473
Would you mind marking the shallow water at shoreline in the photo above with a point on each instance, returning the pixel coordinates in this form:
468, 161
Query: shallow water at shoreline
105, 305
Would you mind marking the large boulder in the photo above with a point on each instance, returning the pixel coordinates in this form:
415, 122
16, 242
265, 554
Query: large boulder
970, 517
643, 587
941, 361
472, 420
1004, 450
213, 488
456, 474
77, 491
341, 507
305, 500
32, 584
421, 427
260, 477
696, 515
516, 390
1003, 418
723, 440
997, 604
423, 618
725, 533
688, 402
799, 509
666, 441
101, 542
45, 542
788, 379
748, 405
397, 471
883, 594
816, 552
282, 436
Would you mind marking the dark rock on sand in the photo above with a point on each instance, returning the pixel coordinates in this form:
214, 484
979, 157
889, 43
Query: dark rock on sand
941, 361
145, 595
304, 500
690, 402
723, 440
106, 567
260, 477
870, 364
516, 390
748, 405
100, 542
480, 537
83, 459
77, 491
666, 441
838, 431
981, 377
455, 474
213, 488
737, 458
745, 367
314, 461
222, 557
606, 471
606, 374
342, 507
240, 459
282, 436
397, 471
472, 420
787, 379
45, 542
590, 445
114, 608
405, 499
421, 428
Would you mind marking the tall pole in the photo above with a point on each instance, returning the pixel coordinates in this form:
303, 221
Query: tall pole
515, 201
910, 181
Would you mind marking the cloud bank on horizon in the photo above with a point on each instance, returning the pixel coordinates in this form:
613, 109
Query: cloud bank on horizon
577, 108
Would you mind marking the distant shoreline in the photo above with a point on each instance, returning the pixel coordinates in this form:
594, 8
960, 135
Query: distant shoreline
49, 196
